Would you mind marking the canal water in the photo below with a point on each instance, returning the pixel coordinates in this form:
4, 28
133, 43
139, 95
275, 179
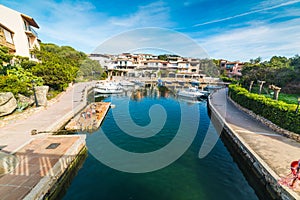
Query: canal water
216, 176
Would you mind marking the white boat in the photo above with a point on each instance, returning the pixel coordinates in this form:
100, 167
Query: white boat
188, 100
192, 93
108, 88
126, 83
205, 94
139, 83
195, 82
212, 87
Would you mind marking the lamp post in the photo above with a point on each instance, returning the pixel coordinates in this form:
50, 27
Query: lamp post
35, 99
298, 105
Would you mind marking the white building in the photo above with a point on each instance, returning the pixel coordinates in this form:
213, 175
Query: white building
18, 31
127, 64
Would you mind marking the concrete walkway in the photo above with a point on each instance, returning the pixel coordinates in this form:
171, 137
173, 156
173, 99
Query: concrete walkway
40, 160
274, 150
17, 133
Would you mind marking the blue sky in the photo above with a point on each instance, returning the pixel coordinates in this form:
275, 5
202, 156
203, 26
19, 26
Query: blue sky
229, 29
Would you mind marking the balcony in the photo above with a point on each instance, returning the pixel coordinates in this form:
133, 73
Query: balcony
30, 31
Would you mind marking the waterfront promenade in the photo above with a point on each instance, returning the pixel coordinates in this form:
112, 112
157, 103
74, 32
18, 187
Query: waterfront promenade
274, 151
17, 132
41, 158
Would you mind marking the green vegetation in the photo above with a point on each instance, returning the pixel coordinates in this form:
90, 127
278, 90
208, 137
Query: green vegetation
208, 67
280, 71
288, 98
228, 80
279, 112
13, 77
60, 66
57, 67
168, 57
90, 70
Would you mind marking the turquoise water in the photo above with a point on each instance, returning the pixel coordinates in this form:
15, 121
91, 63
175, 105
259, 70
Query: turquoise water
215, 176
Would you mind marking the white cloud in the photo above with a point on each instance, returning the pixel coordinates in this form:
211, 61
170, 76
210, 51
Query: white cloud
81, 25
263, 40
86, 28
267, 8
154, 39
153, 14
268, 3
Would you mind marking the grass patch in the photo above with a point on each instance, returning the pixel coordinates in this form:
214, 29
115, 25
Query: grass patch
287, 98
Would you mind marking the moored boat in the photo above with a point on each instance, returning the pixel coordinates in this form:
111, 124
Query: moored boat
108, 88
212, 87
192, 93
126, 83
139, 83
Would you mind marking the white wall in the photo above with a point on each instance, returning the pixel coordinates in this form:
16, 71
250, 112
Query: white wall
14, 21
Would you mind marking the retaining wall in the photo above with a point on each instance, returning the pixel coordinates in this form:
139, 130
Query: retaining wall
260, 176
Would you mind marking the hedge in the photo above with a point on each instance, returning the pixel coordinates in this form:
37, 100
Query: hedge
278, 112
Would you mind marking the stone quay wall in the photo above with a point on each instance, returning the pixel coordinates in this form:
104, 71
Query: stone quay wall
259, 175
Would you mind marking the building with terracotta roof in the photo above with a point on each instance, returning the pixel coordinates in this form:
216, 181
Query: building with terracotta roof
231, 69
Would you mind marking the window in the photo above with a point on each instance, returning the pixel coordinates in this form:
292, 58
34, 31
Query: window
229, 66
25, 25
8, 36
28, 42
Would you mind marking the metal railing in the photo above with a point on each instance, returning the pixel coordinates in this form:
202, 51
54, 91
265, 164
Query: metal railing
29, 28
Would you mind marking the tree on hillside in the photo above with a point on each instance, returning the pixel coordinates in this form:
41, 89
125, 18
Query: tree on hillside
58, 66
277, 71
163, 57
255, 61
208, 67
90, 70
279, 62
295, 63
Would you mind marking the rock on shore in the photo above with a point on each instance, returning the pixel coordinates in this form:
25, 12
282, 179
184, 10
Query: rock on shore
41, 95
8, 103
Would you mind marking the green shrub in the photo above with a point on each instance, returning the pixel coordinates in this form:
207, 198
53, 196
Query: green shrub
278, 112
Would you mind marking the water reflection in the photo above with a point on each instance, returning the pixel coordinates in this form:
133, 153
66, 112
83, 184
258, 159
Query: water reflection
187, 178
137, 93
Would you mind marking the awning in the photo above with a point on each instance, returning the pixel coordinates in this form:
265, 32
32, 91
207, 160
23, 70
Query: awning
30, 20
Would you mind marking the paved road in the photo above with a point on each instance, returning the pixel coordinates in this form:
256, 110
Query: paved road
275, 150
17, 133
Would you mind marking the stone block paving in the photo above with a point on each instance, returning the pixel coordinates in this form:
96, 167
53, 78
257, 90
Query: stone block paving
35, 162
